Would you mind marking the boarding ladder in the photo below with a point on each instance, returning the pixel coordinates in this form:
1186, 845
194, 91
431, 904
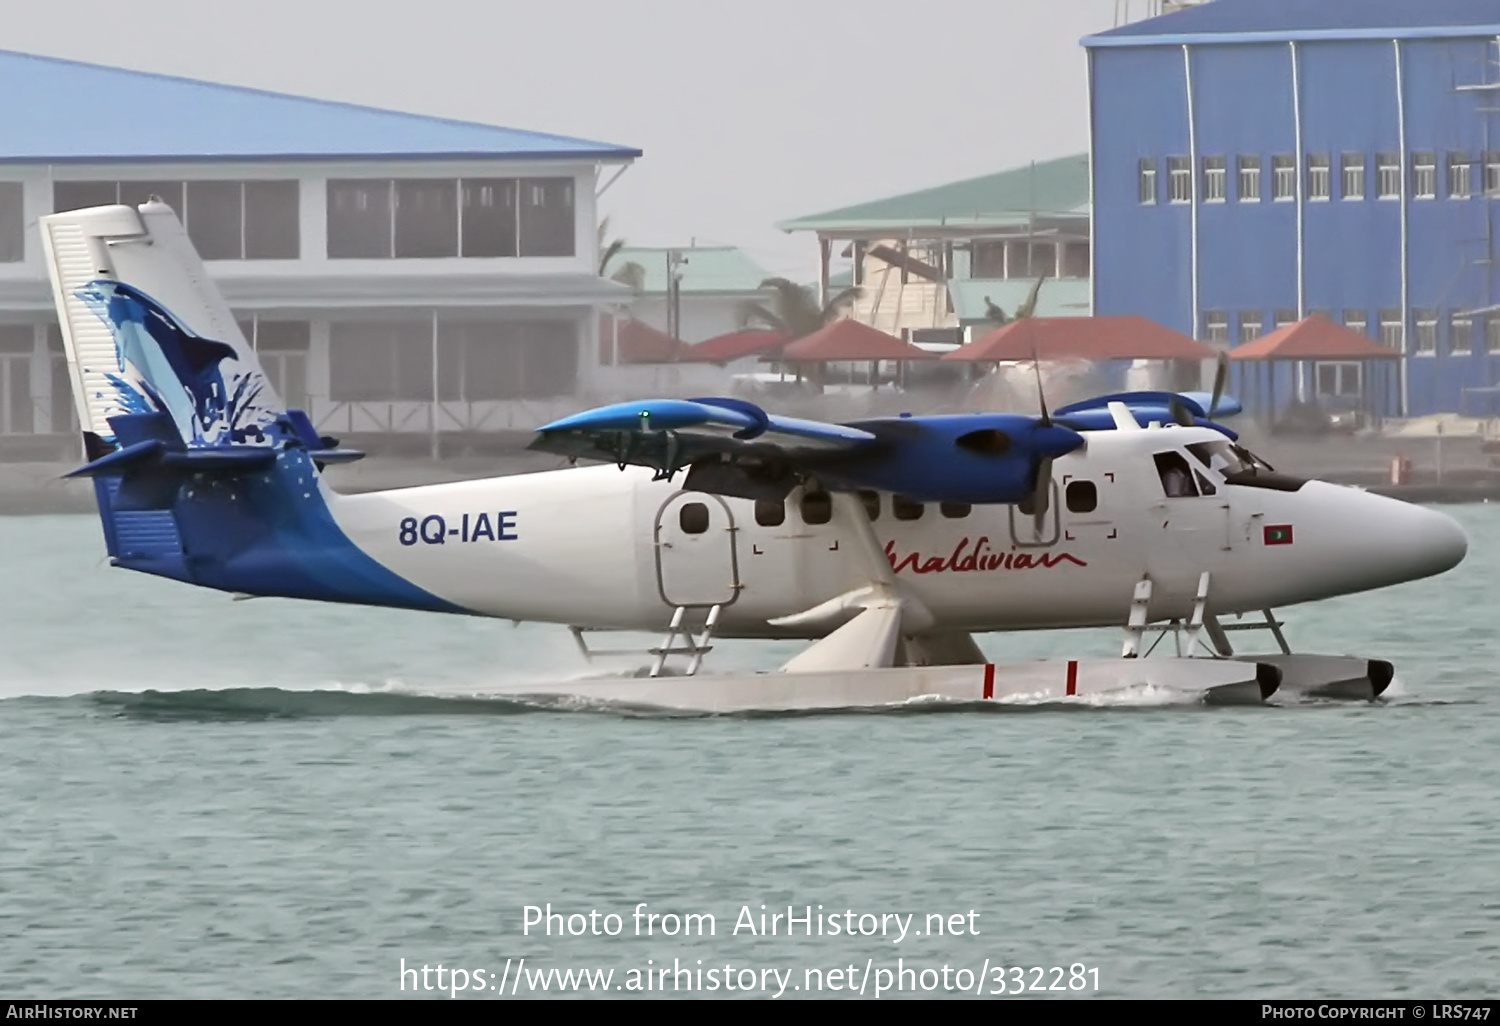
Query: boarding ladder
1186, 635
681, 640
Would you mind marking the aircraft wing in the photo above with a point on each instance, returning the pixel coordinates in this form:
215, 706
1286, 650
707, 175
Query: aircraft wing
733, 447
670, 434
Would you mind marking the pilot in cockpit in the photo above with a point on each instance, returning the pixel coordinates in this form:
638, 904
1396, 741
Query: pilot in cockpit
1176, 476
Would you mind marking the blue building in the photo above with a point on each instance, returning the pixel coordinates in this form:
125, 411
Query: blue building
1256, 161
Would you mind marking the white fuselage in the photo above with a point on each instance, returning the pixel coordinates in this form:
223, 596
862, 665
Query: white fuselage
602, 547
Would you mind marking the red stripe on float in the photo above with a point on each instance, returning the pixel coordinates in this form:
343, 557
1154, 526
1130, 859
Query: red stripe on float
989, 680
1072, 676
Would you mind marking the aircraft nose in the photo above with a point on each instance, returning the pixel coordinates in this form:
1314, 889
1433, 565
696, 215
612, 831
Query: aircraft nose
1442, 543
1412, 541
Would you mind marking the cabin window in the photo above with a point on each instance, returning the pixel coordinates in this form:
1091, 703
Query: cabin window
871, 501
770, 512
1176, 475
817, 507
1204, 485
1082, 496
903, 508
693, 518
955, 510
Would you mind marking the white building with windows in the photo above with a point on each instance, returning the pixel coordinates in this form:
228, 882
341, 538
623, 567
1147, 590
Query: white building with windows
407, 277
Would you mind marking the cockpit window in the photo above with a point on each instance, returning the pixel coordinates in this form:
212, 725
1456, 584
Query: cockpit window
1176, 476
1228, 458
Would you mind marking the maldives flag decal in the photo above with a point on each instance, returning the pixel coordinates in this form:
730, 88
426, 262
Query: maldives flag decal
1278, 534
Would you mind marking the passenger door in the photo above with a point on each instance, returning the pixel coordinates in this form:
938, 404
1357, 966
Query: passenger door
696, 557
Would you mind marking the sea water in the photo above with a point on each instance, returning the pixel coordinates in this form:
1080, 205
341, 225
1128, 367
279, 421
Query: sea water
208, 798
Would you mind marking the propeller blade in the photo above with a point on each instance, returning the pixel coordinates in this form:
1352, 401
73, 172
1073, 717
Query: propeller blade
1180, 413
1221, 378
1041, 396
1041, 498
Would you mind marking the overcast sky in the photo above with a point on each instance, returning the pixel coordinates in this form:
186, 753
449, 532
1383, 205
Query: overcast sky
748, 113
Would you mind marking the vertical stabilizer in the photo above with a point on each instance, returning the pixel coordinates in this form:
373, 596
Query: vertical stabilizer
147, 331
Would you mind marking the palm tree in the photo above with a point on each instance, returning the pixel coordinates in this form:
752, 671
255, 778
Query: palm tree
629, 273
996, 315
794, 309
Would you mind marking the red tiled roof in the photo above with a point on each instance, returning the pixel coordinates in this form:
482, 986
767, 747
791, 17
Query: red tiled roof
1090, 338
639, 342
735, 346
851, 340
1313, 338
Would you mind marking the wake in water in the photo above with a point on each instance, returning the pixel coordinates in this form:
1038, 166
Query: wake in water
273, 703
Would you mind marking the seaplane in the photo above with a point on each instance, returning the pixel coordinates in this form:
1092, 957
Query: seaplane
885, 544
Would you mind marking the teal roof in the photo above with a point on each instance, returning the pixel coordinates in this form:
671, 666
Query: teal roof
709, 269
1059, 297
1013, 198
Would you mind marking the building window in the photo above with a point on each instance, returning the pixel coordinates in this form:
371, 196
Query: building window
1318, 172
1492, 333
1388, 175
380, 361
489, 217
1424, 175
1426, 331
243, 220
1340, 380
1215, 173
1179, 180
1283, 177
77, 195
1460, 175
281, 347
359, 218
226, 220
1216, 328
1285, 317
1492, 172
1460, 336
546, 217
1249, 179
1355, 320
426, 218
12, 223
435, 218
62, 414
987, 260
1250, 325
17, 411
1392, 330
1075, 260
1148, 180
1352, 172
484, 360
